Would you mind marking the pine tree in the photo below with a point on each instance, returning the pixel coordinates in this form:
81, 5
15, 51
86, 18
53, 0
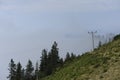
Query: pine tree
68, 57
36, 72
23, 74
61, 62
73, 56
100, 44
12, 70
29, 71
18, 72
49, 65
53, 59
55, 55
43, 60
44, 63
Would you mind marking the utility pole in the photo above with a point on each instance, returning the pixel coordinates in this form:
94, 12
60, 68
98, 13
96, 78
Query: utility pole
92, 33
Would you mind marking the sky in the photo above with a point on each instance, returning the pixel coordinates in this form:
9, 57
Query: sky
28, 26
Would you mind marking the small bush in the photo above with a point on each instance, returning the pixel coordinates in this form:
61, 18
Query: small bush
117, 37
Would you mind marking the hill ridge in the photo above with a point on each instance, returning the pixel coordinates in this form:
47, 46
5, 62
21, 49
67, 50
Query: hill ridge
101, 64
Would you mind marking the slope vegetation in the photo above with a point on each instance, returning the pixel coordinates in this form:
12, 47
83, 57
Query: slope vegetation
101, 64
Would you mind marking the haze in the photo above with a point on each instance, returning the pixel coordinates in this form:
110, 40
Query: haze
28, 26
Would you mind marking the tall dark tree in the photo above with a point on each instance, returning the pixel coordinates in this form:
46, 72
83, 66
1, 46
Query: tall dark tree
23, 74
53, 58
68, 57
55, 55
61, 62
44, 63
29, 71
73, 56
18, 72
50, 64
100, 44
43, 60
12, 70
36, 72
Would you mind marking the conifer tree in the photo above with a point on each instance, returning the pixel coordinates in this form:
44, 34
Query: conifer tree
49, 65
23, 74
100, 44
61, 62
53, 59
73, 56
29, 71
12, 70
18, 72
44, 63
36, 72
55, 56
68, 57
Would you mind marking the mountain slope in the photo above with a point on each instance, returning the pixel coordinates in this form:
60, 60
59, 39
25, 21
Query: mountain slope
101, 64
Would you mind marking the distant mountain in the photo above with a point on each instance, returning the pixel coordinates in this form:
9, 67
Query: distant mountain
101, 64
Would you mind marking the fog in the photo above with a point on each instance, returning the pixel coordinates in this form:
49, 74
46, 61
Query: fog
27, 27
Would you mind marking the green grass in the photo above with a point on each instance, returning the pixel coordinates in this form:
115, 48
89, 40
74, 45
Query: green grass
101, 64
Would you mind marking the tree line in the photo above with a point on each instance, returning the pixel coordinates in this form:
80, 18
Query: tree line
48, 64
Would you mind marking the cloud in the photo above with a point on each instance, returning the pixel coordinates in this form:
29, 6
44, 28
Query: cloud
59, 5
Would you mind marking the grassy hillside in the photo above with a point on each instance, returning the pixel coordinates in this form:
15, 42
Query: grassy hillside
101, 64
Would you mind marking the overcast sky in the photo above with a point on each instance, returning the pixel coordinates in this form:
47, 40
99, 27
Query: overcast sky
28, 26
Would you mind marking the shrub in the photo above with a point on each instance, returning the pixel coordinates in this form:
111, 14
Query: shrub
116, 37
